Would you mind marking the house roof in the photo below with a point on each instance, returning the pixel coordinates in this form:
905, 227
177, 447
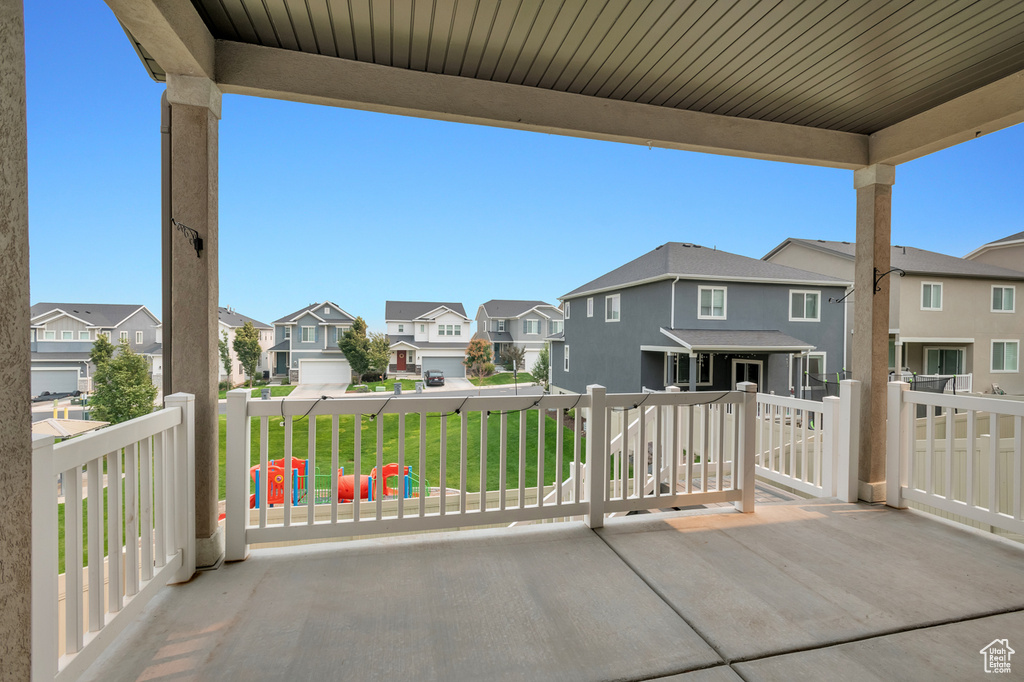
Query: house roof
337, 314
233, 318
495, 337
152, 349
281, 346
511, 308
911, 259
765, 341
692, 261
62, 355
104, 315
1005, 241
400, 311
410, 341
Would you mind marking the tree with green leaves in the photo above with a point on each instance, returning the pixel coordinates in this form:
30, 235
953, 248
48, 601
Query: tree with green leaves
379, 353
225, 355
122, 388
541, 368
356, 347
102, 350
247, 348
513, 356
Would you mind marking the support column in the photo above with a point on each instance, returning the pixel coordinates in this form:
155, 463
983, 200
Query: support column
191, 283
15, 372
693, 373
871, 321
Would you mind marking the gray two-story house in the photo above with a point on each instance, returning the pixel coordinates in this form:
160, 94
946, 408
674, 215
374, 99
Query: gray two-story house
305, 346
63, 335
527, 324
700, 319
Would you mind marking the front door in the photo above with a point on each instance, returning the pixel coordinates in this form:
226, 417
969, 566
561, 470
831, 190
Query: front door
746, 370
401, 360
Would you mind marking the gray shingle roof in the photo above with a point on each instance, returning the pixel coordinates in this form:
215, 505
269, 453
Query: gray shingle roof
1012, 238
411, 310
95, 314
495, 337
736, 340
281, 346
80, 356
509, 308
692, 261
337, 314
233, 318
427, 345
914, 260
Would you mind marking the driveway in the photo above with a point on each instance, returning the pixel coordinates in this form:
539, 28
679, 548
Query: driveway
317, 390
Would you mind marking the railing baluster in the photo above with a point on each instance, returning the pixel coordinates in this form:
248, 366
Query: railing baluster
972, 438
483, 461
949, 454
576, 440
131, 520
286, 464
502, 460
640, 459
146, 508
159, 500
94, 476
559, 454
442, 484
623, 470
993, 460
73, 588
541, 426
690, 454
805, 472
705, 439
114, 512
929, 450
463, 459
311, 469
400, 484
423, 463
264, 475
335, 426
378, 481
720, 447
523, 415
357, 465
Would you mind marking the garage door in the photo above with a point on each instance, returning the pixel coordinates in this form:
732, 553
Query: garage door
452, 367
54, 380
324, 372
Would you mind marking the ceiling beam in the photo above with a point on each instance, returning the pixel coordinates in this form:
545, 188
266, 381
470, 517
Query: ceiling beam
172, 32
301, 77
990, 108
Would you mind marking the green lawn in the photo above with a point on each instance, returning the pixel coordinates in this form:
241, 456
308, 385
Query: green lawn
503, 379
389, 384
275, 391
300, 438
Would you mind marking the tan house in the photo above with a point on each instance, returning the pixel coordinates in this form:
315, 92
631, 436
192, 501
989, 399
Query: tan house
230, 320
947, 315
1007, 252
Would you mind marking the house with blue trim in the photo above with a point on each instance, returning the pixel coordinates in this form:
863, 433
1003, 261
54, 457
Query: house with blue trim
305, 349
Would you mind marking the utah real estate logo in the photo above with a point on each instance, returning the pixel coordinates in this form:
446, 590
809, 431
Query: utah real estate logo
997, 656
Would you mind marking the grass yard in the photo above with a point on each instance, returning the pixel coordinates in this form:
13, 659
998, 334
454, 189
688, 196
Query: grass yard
388, 384
503, 379
275, 391
300, 438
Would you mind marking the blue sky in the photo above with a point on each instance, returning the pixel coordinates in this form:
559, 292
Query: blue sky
321, 203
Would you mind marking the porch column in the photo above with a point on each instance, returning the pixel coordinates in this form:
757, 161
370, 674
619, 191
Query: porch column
191, 285
871, 321
15, 373
693, 372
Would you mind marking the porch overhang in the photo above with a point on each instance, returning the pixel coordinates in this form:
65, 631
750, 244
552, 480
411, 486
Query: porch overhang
735, 341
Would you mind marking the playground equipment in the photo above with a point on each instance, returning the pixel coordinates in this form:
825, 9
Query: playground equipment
322, 484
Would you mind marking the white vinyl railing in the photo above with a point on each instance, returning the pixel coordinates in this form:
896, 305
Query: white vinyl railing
520, 479
962, 383
963, 456
144, 469
810, 446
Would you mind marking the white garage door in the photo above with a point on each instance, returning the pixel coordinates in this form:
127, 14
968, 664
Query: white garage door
54, 380
324, 372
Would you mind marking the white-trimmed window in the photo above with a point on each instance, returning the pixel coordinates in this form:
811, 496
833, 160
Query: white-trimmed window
1002, 299
458, 329
49, 335
590, 306
566, 357
804, 306
308, 334
32, 336
931, 296
555, 326
711, 303
531, 326
1005, 355
83, 336
123, 336
287, 333
339, 332
401, 329
566, 315
612, 308
423, 328
679, 369
814, 365
67, 336
138, 338
501, 325
327, 310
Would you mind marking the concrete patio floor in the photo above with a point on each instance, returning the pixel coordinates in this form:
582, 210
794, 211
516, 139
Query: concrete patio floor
808, 590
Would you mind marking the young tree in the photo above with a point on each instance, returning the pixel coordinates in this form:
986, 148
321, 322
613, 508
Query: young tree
378, 353
513, 356
247, 348
478, 352
102, 351
122, 388
225, 355
356, 346
540, 368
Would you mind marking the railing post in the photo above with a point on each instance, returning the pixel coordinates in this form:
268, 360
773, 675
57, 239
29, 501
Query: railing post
829, 435
236, 472
597, 456
745, 466
848, 460
184, 503
895, 454
44, 559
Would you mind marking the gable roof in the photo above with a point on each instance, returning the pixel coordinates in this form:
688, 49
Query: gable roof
509, 308
233, 318
93, 314
400, 311
911, 259
692, 261
999, 243
337, 314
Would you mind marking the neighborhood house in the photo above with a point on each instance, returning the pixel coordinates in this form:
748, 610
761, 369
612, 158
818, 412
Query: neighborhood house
427, 335
305, 349
526, 324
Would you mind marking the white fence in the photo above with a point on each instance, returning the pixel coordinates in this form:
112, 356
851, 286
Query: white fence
963, 457
962, 383
810, 446
522, 479
144, 469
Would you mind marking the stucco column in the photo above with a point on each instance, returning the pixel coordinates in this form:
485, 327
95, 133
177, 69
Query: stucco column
871, 321
193, 285
693, 373
15, 374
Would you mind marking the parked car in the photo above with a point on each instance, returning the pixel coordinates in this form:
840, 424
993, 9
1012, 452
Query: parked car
434, 377
46, 395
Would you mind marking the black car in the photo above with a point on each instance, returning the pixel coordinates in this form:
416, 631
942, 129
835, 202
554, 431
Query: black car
434, 377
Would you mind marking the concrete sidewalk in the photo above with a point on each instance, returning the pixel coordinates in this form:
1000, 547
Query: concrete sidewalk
806, 590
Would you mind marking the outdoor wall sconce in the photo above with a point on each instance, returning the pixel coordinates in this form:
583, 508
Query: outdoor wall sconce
878, 278
193, 237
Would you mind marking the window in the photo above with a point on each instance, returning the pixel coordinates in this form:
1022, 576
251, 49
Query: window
423, 328
83, 336
138, 338
339, 332
892, 353
1005, 356
1002, 299
531, 326
308, 334
401, 329
50, 336
555, 327
814, 366
566, 310
712, 303
566, 357
458, 329
611, 308
501, 325
679, 369
67, 336
241, 369
944, 360
803, 306
327, 311
931, 296
123, 336
590, 307
287, 333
